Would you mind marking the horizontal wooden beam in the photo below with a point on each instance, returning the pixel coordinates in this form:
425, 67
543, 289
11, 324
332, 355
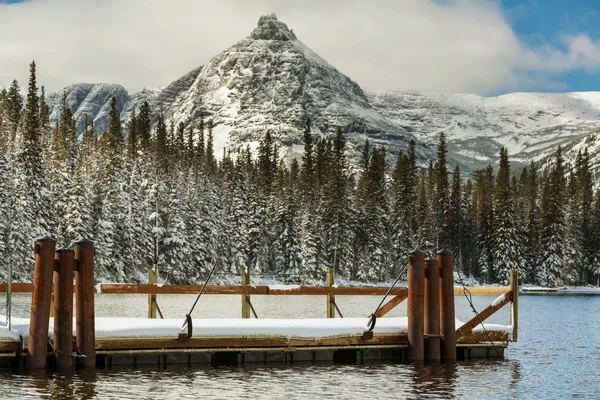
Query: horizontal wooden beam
482, 337
10, 347
249, 342
26, 287
468, 326
249, 290
482, 291
125, 288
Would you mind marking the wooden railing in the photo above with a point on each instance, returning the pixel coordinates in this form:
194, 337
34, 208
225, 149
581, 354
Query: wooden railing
399, 294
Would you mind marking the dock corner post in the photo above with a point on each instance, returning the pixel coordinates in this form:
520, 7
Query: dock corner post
514, 309
40, 302
85, 317
447, 313
245, 272
415, 307
329, 281
432, 311
152, 279
63, 308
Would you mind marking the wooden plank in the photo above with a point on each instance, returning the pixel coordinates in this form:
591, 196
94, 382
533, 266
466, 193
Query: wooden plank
9, 346
483, 315
125, 288
120, 288
390, 305
482, 291
18, 287
482, 337
249, 342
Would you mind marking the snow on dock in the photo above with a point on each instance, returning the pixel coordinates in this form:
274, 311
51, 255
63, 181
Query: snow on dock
313, 328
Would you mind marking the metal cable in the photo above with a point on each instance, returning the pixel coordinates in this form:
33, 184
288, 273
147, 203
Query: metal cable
373, 317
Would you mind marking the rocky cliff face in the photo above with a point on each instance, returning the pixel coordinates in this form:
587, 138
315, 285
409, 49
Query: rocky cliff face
270, 81
91, 101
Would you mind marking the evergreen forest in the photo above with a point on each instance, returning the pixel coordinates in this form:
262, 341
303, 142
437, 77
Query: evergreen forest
155, 194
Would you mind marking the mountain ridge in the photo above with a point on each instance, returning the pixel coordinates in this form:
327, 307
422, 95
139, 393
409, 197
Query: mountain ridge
270, 80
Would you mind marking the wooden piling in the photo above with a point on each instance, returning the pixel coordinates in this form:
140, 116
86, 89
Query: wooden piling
432, 311
63, 308
415, 307
40, 302
152, 279
447, 316
329, 280
85, 318
245, 272
514, 308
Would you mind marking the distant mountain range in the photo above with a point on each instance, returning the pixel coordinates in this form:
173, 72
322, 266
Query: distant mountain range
272, 81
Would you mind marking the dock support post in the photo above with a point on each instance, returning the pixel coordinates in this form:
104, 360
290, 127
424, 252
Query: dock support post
415, 307
514, 309
85, 318
329, 280
152, 279
63, 308
432, 311
40, 302
245, 297
447, 321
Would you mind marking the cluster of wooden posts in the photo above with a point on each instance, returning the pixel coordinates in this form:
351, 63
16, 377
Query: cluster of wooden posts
54, 271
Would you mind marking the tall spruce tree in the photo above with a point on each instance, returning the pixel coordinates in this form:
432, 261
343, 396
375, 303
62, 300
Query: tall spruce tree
505, 235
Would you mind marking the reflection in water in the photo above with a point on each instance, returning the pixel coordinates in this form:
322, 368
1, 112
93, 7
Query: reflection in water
434, 379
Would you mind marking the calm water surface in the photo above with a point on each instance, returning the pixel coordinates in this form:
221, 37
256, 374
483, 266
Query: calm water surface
557, 356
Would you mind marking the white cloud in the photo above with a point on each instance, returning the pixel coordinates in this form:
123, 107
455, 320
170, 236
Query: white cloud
451, 46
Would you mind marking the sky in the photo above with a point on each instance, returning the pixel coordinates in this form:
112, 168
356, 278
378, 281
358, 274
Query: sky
486, 47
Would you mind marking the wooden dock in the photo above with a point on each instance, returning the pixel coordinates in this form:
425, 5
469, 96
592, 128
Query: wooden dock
430, 332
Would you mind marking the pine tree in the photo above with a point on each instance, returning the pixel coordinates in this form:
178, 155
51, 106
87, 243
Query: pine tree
13, 105
112, 201
531, 249
552, 229
505, 235
455, 216
484, 185
441, 199
32, 203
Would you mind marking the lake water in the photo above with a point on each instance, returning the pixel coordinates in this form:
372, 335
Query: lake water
557, 356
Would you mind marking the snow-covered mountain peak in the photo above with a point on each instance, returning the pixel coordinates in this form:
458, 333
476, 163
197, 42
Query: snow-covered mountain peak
270, 28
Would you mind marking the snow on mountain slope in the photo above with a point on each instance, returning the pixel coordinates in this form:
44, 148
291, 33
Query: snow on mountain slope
529, 125
91, 101
270, 81
589, 142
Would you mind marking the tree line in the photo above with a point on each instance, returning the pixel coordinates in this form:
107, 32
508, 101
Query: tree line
154, 194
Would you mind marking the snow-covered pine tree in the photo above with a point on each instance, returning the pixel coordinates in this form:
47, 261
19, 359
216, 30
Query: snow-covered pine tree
32, 203
573, 239
468, 231
505, 234
403, 193
484, 186
531, 243
112, 202
441, 195
455, 216
14, 106
553, 224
